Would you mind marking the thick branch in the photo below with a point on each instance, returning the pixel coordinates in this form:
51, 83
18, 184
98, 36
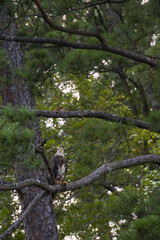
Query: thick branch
104, 2
94, 114
23, 216
109, 167
26, 183
95, 175
115, 50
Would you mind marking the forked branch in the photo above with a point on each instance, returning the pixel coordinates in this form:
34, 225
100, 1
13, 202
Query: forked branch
95, 175
53, 25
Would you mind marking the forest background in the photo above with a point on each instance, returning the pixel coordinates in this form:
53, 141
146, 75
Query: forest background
83, 75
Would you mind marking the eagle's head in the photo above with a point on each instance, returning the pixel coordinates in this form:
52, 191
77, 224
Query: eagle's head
60, 152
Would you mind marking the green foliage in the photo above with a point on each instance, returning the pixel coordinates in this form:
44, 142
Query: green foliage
154, 120
9, 6
18, 114
81, 60
90, 142
15, 133
145, 222
9, 211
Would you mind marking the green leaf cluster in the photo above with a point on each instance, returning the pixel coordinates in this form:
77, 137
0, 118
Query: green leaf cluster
16, 135
88, 143
9, 6
154, 120
141, 215
9, 211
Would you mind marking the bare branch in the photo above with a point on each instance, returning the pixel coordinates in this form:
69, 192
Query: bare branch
46, 161
95, 175
61, 43
26, 183
109, 167
94, 114
23, 216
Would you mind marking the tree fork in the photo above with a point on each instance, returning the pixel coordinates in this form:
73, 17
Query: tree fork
40, 224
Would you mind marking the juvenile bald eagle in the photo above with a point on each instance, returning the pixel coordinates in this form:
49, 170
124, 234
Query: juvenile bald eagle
59, 166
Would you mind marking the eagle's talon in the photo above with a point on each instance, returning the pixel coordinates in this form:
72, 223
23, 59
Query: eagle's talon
65, 183
59, 182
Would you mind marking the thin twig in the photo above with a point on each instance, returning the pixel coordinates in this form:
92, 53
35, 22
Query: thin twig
40, 150
92, 4
53, 25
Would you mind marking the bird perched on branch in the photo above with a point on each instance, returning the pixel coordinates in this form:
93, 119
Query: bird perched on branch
59, 166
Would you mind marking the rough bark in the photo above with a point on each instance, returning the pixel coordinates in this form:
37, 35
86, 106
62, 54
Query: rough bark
40, 224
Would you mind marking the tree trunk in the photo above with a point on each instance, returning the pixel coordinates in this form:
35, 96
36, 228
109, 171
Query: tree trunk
41, 222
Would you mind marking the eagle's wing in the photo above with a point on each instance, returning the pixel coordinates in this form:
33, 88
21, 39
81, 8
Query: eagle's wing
59, 167
54, 165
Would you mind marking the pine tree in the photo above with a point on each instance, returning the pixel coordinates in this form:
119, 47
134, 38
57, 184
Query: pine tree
16, 92
96, 65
